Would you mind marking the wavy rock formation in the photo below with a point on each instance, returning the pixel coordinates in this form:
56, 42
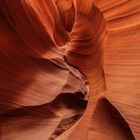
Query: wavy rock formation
69, 70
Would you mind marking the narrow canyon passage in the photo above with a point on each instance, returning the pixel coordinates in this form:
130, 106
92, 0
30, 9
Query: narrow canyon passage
69, 70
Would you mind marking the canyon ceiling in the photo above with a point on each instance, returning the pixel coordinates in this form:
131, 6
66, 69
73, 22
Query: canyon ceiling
70, 70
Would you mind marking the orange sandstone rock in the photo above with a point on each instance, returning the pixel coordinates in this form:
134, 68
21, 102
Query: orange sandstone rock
69, 70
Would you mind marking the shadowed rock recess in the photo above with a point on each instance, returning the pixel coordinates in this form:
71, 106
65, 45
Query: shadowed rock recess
70, 70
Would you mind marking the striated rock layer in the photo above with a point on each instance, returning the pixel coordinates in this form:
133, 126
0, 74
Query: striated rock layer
69, 70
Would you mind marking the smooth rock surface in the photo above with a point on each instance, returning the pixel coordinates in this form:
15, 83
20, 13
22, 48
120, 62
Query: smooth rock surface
69, 69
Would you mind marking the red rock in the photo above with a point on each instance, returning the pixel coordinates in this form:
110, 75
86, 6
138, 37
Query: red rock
51, 52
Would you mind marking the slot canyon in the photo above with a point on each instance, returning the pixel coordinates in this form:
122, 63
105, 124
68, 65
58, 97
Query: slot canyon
70, 70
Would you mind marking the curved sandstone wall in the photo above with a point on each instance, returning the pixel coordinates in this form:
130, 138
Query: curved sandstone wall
69, 69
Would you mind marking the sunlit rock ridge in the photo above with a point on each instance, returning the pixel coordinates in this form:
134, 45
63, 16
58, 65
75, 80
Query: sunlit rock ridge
70, 70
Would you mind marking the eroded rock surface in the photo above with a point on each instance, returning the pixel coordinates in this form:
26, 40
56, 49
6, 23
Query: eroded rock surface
69, 70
